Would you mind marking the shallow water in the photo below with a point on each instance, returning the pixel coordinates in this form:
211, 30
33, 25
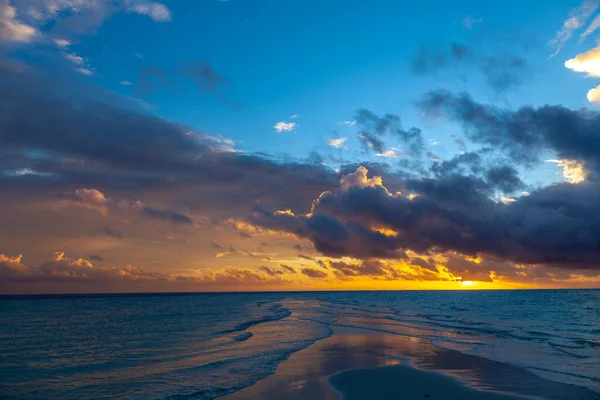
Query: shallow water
204, 345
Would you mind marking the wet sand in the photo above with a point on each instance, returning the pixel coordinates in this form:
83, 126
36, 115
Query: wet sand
359, 364
405, 382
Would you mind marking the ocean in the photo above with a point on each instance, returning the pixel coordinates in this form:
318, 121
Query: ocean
202, 346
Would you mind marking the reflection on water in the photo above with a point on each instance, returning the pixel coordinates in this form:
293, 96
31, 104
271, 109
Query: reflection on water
304, 374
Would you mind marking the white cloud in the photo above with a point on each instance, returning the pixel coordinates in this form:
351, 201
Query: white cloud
577, 18
347, 123
21, 20
138, 55
588, 62
125, 83
84, 71
157, 11
338, 143
293, 116
360, 178
62, 42
282, 126
432, 142
74, 58
468, 22
595, 24
11, 29
593, 95
572, 170
391, 153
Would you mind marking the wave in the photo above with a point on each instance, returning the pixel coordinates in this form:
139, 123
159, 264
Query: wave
242, 336
281, 313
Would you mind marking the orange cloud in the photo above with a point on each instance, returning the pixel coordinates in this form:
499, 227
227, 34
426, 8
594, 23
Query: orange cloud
94, 199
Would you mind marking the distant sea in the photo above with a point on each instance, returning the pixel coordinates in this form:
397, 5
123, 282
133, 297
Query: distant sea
201, 346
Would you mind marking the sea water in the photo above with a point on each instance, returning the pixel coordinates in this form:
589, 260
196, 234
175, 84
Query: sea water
201, 346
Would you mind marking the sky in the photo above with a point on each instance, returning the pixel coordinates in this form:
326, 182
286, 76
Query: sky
250, 145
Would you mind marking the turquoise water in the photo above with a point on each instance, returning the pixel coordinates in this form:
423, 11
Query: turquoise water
200, 346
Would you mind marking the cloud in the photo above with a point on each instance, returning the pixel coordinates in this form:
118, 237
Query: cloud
314, 273
523, 134
338, 143
391, 153
376, 130
203, 75
125, 83
501, 71
348, 123
95, 200
407, 269
556, 225
588, 62
593, 95
62, 42
22, 21
577, 19
61, 144
74, 58
74, 275
62, 268
288, 268
11, 29
468, 22
84, 71
52, 142
360, 179
594, 25
151, 78
157, 11
573, 171
282, 126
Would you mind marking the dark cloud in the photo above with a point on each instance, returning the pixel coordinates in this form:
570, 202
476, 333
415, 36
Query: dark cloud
465, 163
329, 235
271, 271
557, 225
523, 134
95, 200
501, 71
110, 232
203, 75
151, 78
375, 130
383, 270
288, 268
505, 178
95, 257
504, 72
167, 215
52, 142
313, 273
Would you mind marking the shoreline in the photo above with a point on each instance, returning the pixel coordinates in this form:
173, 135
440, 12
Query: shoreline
331, 368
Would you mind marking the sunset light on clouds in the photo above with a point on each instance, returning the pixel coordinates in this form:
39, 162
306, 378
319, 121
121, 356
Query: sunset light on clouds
468, 161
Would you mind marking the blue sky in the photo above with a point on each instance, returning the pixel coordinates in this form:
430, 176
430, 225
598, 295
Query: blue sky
320, 61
